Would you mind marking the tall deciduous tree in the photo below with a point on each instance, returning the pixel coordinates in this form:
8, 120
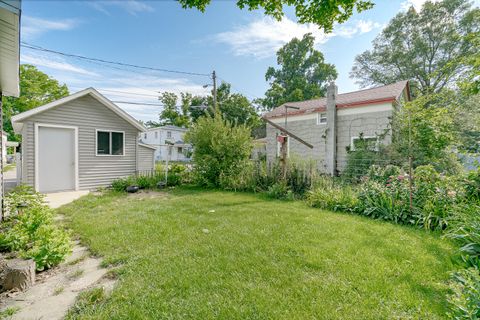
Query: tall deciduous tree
235, 107
428, 47
303, 73
36, 89
171, 115
324, 13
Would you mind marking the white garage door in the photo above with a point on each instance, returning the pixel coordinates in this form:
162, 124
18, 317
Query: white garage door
56, 159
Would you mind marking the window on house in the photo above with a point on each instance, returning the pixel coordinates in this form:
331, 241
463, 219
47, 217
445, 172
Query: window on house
364, 143
180, 150
110, 143
169, 134
145, 135
156, 134
321, 118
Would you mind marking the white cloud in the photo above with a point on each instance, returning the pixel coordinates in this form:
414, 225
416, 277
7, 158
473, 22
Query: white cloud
33, 27
263, 37
54, 64
418, 4
131, 6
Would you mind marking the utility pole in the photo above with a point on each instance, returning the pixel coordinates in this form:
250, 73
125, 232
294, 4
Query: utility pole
214, 78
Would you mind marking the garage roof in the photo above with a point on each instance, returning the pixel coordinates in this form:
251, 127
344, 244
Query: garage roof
17, 120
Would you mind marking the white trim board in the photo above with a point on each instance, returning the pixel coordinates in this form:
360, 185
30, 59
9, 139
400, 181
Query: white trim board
18, 119
36, 139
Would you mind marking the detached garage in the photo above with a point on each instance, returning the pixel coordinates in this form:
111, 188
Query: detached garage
79, 142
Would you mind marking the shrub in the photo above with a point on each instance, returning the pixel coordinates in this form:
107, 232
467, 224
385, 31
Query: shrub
472, 185
465, 299
121, 184
465, 231
30, 230
388, 201
280, 190
176, 174
331, 195
221, 150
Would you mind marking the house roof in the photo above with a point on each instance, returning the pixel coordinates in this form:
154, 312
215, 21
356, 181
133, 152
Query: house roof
10, 47
167, 127
388, 93
147, 146
17, 120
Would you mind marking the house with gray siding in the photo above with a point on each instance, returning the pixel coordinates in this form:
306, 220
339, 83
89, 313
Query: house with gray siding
79, 142
333, 124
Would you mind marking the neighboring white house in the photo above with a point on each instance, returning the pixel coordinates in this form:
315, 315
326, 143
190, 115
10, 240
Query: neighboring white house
82, 141
169, 143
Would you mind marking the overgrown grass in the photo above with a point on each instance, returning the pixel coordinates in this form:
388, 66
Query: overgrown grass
260, 259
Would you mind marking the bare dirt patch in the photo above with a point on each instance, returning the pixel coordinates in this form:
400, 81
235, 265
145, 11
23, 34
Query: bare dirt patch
148, 194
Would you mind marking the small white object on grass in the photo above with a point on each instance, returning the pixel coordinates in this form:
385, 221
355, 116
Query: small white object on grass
205, 231
211, 211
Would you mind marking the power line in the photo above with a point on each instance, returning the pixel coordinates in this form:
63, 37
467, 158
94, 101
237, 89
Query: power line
124, 92
38, 48
140, 103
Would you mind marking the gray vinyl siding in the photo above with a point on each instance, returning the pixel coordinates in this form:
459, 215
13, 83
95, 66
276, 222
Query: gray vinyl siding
87, 114
145, 158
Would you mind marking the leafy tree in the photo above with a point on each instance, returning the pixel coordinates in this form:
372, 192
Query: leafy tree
36, 89
221, 150
471, 84
324, 13
171, 115
467, 121
303, 73
428, 47
235, 107
426, 129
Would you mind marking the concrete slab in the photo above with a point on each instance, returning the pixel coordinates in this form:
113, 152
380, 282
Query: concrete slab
58, 199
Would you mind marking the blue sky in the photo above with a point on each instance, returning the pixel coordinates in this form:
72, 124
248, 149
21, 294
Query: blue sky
240, 45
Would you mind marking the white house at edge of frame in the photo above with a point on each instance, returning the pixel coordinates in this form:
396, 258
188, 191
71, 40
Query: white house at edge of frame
169, 143
80, 142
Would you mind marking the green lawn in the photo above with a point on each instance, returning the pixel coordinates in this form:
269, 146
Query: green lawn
254, 258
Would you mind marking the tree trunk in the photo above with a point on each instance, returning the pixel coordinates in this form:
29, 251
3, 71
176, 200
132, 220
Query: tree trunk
18, 274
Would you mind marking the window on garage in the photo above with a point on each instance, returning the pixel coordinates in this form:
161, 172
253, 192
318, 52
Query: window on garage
110, 143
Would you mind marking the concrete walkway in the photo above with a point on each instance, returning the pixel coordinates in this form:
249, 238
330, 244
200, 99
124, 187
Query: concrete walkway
56, 290
58, 199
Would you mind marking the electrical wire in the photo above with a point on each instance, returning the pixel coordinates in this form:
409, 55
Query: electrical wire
38, 48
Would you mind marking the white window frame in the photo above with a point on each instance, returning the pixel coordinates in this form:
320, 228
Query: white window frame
320, 117
110, 143
36, 140
169, 134
352, 140
156, 134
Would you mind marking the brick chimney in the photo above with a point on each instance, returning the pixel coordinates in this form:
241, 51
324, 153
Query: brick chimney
331, 134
